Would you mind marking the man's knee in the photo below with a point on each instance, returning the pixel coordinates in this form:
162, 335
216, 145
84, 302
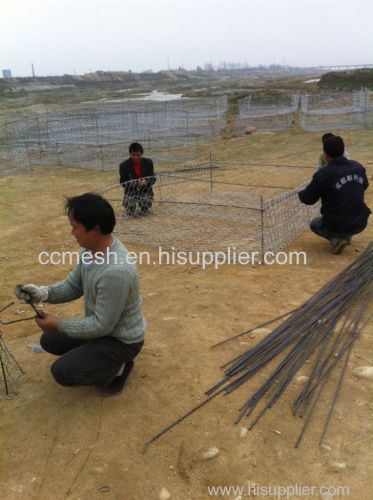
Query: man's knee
316, 224
146, 201
359, 229
62, 375
48, 343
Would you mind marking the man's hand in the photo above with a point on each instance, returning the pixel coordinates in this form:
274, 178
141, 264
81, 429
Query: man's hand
31, 293
48, 322
142, 182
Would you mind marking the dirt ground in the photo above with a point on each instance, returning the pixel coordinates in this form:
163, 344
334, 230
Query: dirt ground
62, 443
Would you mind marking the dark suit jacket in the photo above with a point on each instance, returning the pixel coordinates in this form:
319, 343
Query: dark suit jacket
127, 174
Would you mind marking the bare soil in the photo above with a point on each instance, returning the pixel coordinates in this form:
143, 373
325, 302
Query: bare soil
59, 443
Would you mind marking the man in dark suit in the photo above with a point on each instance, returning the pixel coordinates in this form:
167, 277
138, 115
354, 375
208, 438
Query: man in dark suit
340, 185
137, 178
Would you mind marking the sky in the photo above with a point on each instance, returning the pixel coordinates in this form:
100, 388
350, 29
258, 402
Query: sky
79, 36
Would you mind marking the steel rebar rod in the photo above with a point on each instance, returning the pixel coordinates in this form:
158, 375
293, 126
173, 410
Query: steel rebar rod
6, 307
254, 328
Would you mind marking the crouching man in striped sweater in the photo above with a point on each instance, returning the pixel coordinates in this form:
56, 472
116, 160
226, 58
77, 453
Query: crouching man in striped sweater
99, 348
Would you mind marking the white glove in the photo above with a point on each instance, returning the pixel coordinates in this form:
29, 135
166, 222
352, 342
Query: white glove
31, 293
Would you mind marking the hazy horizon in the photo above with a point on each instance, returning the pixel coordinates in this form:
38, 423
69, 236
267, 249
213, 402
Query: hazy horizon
77, 37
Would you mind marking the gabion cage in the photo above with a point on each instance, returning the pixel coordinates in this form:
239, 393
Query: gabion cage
97, 137
338, 110
276, 115
195, 209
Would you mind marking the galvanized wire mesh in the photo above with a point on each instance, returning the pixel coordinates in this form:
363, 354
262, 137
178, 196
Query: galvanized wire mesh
337, 110
195, 209
13, 160
284, 219
275, 122
10, 371
273, 115
97, 137
175, 121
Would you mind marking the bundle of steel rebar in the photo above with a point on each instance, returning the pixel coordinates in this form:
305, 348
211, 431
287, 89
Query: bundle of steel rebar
320, 333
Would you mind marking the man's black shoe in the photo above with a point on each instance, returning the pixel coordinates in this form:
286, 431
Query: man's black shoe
117, 385
338, 245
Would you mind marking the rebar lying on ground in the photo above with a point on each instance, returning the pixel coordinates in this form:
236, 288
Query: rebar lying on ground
324, 328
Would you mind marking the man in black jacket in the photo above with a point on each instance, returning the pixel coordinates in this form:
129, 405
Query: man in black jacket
137, 178
340, 185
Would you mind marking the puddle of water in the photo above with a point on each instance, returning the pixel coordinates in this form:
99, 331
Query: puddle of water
153, 96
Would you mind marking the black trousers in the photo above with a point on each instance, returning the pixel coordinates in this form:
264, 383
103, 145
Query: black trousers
317, 226
143, 198
87, 362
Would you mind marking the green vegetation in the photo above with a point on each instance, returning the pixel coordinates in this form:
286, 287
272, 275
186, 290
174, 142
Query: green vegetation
348, 79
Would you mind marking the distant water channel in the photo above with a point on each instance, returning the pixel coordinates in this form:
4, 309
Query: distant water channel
153, 96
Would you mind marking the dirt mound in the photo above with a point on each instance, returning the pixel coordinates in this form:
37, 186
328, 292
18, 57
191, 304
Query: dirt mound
348, 79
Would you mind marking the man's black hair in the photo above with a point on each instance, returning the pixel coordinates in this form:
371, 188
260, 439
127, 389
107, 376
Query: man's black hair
91, 210
136, 147
334, 146
326, 136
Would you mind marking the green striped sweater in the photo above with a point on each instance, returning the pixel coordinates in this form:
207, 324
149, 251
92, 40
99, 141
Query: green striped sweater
111, 298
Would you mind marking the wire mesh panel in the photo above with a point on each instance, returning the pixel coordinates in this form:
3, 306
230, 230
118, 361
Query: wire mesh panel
339, 110
273, 114
285, 218
368, 100
80, 155
97, 136
368, 119
186, 216
92, 136
331, 102
10, 371
244, 106
13, 160
269, 122
195, 209
24, 130
71, 128
344, 121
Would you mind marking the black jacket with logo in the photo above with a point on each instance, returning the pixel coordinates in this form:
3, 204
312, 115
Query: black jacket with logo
127, 173
341, 186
